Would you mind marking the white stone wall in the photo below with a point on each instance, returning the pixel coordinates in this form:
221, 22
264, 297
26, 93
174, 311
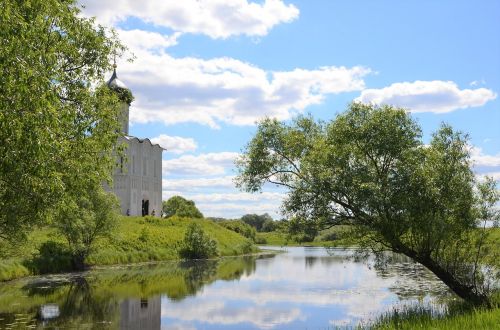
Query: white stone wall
140, 178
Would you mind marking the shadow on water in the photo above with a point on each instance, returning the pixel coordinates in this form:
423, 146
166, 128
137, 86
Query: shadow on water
124, 296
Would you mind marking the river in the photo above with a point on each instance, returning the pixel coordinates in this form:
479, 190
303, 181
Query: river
303, 287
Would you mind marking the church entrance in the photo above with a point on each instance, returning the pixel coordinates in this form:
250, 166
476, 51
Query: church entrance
145, 207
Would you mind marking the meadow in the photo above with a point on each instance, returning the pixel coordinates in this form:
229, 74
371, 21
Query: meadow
136, 239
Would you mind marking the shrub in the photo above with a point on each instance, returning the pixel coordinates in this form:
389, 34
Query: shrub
196, 244
260, 240
240, 227
53, 257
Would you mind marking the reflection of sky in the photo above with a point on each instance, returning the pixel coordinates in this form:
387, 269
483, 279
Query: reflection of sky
290, 291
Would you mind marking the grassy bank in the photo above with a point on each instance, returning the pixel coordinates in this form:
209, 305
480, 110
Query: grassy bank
459, 316
136, 239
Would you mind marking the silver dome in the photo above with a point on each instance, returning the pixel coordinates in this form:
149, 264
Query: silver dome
115, 83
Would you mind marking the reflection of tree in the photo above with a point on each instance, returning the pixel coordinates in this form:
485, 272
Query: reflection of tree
310, 261
95, 297
413, 281
82, 306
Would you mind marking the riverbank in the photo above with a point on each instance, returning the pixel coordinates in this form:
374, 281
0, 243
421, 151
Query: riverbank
459, 316
136, 239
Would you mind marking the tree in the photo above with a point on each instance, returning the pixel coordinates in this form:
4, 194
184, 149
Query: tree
369, 168
256, 221
181, 207
57, 120
84, 218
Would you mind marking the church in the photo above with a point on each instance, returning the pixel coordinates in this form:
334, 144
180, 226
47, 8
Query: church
137, 180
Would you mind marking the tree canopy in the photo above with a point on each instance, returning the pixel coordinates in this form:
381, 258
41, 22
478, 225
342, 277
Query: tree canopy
370, 169
179, 206
258, 221
58, 121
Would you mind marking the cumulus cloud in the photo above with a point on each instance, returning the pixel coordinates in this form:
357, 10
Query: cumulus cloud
175, 144
481, 159
176, 90
214, 18
223, 182
203, 165
428, 96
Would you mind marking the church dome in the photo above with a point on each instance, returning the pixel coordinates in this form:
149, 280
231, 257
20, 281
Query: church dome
115, 83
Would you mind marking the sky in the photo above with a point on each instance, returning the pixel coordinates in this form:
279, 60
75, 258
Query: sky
205, 71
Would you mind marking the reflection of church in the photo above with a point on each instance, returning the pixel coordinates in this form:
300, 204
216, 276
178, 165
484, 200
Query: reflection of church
140, 314
137, 180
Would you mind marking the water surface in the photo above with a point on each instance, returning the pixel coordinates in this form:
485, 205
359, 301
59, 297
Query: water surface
306, 287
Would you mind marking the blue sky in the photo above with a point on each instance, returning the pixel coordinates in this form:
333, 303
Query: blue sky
205, 71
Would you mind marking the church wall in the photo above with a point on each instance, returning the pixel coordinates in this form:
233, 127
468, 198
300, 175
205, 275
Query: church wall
140, 178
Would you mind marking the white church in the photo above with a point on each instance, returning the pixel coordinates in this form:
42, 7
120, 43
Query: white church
137, 181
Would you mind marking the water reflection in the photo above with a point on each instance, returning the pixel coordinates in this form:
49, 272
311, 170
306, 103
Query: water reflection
305, 287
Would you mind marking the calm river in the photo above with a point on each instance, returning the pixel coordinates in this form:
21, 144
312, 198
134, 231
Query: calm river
311, 288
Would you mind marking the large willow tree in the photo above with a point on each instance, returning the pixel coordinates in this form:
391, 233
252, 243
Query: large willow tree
369, 168
57, 126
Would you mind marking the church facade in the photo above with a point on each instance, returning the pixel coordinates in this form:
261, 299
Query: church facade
137, 180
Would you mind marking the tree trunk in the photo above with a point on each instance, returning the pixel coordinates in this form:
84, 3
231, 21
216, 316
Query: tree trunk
78, 262
465, 292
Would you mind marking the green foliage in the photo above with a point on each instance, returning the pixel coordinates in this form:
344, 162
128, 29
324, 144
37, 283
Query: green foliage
368, 168
269, 225
180, 207
457, 317
257, 221
53, 257
240, 227
83, 219
134, 240
12, 269
300, 230
196, 244
124, 94
54, 122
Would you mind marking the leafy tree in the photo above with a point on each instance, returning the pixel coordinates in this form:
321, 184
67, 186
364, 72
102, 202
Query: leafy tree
268, 225
56, 118
369, 168
196, 244
300, 230
84, 218
181, 207
256, 221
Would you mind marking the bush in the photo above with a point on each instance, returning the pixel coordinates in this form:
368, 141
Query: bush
260, 240
240, 227
53, 257
196, 244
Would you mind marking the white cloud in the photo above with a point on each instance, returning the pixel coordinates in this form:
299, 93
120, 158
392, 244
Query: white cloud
428, 96
203, 165
175, 144
236, 210
238, 197
214, 18
223, 182
481, 159
176, 90
140, 39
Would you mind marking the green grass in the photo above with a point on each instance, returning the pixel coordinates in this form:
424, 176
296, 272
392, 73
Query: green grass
424, 318
135, 240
